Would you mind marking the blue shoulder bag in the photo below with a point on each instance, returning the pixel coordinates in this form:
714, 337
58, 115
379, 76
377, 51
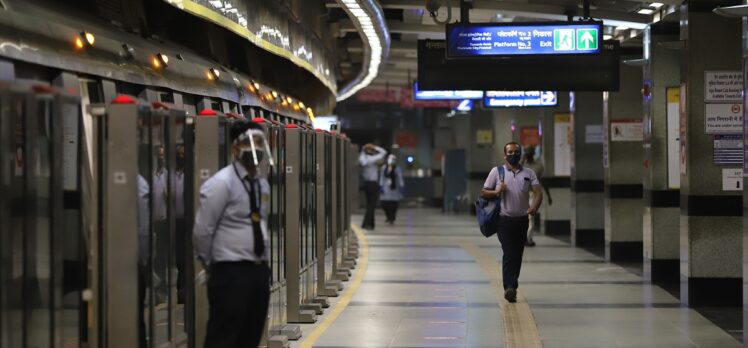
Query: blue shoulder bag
487, 210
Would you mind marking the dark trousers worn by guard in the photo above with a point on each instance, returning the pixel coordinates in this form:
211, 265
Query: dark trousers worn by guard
513, 236
371, 189
239, 294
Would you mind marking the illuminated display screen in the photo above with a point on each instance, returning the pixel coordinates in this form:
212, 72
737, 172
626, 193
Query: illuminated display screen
508, 99
513, 39
445, 95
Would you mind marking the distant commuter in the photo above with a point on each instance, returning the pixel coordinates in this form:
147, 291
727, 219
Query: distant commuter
538, 167
231, 240
391, 186
143, 227
369, 160
514, 191
160, 196
181, 234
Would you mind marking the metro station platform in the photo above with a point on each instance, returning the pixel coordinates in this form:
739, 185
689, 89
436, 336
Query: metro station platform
433, 280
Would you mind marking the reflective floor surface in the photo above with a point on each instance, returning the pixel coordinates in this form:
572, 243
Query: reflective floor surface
432, 281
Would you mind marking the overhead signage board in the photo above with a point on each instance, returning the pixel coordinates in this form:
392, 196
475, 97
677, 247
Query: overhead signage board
444, 95
508, 99
581, 73
512, 39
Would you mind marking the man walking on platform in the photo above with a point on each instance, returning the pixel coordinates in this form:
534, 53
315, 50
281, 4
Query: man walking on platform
513, 188
369, 160
231, 239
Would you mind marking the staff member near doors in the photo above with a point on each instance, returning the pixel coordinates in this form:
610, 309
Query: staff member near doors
231, 239
514, 191
369, 160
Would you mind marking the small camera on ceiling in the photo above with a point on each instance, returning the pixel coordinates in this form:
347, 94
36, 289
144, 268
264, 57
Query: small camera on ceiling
433, 7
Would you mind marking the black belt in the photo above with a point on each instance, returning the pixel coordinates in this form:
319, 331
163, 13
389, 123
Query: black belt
221, 264
513, 217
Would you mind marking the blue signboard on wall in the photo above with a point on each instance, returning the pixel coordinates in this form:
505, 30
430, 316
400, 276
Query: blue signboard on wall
508, 99
445, 95
517, 39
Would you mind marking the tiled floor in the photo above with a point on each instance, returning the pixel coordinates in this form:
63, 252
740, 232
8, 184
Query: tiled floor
423, 289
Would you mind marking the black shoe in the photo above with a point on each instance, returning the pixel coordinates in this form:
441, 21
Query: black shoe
530, 243
510, 295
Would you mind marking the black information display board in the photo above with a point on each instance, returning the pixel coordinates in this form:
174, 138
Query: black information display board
594, 72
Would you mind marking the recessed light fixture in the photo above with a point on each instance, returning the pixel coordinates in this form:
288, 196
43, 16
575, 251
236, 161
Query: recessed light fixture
656, 4
163, 59
215, 73
645, 11
607, 37
88, 38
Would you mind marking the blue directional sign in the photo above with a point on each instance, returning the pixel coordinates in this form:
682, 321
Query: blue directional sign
445, 95
508, 99
513, 39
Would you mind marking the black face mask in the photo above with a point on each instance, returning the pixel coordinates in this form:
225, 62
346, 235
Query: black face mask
247, 159
513, 159
180, 163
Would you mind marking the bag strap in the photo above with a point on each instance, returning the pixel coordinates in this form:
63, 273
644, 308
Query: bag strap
500, 168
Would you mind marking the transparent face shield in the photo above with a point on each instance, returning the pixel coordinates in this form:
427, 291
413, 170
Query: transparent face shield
254, 144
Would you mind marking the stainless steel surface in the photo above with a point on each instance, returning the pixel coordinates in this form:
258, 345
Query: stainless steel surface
120, 254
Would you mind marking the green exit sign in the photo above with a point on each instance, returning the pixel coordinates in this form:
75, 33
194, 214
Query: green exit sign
587, 39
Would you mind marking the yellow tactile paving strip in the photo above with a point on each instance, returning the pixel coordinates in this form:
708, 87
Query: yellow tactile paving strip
520, 329
363, 254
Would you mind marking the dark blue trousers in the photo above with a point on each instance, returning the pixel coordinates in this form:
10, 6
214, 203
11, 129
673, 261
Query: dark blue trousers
513, 236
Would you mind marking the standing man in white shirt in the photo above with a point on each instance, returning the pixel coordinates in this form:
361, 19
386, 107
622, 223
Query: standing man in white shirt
231, 239
369, 160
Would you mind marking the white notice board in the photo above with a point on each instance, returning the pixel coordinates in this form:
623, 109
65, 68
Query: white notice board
723, 118
593, 134
673, 137
723, 86
626, 130
732, 179
561, 145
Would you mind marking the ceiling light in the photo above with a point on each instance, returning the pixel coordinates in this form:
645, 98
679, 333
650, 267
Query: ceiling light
215, 72
656, 4
274, 94
645, 11
607, 37
162, 59
301, 105
622, 28
88, 38
368, 17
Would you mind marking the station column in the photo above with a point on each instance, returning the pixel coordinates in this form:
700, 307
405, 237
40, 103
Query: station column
587, 228
710, 120
622, 160
661, 218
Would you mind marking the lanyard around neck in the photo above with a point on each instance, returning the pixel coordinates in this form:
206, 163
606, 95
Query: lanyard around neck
253, 206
